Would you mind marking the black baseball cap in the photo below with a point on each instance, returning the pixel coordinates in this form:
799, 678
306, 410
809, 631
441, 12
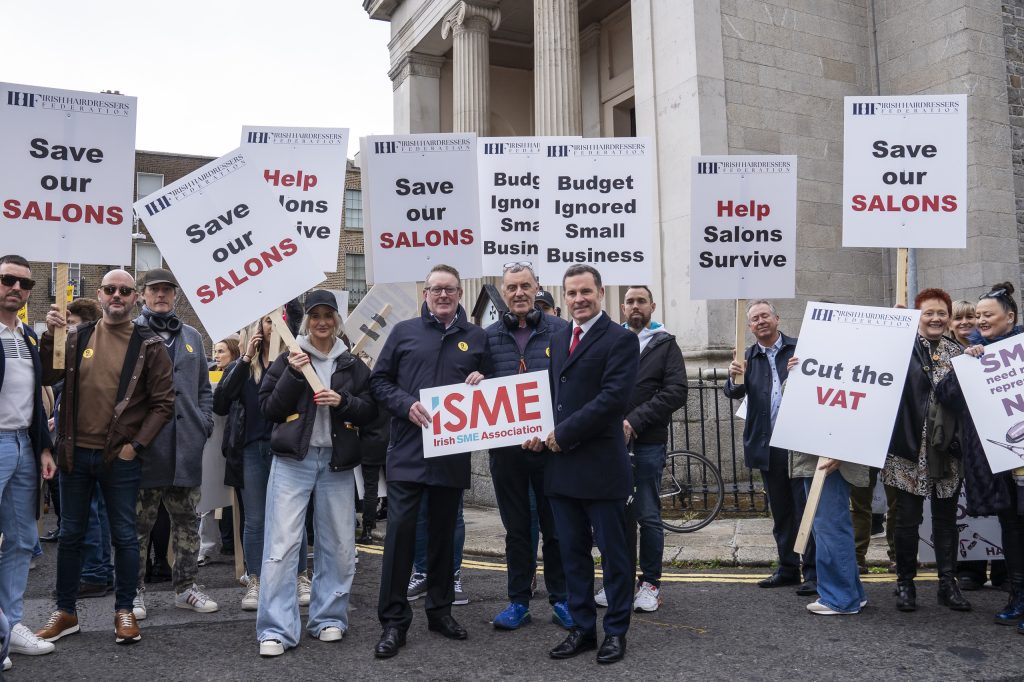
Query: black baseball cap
320, 297
159, 276
545, 297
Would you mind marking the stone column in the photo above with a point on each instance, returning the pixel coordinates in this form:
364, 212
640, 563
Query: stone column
556, 67
470, 24
417, 102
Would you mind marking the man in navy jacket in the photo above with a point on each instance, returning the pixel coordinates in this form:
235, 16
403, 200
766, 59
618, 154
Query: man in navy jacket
588, 476
438, 348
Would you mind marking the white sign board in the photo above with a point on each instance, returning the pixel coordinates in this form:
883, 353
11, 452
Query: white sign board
993, 387
495, 413
383, 306
423, 202
743, 227
67, 173
597, 207
841, 399
981, 537
233, 252
905, 171
213, 494
305, 167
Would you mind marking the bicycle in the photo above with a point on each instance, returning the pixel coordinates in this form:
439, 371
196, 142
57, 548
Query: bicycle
692, 492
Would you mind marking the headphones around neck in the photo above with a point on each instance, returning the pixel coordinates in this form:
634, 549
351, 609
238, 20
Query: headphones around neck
533, 319
171, 325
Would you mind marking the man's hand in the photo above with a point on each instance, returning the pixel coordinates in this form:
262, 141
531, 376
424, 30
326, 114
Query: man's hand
791, 363
418, 414
736, 367
49, 468
535, 444
627, 430
828, 465
552, 443
474, 378
327, 397
54, 319
127, 452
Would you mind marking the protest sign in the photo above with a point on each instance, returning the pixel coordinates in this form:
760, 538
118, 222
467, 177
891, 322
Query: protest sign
495, 413
993, 387
233, 253
67, 175
423, 205
305, 167
905, 171
743, 227
981, 538
213, 494
841, 399
597, 207
384, 305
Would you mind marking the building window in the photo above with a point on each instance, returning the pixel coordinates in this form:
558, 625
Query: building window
74, 279
353, 209
147, 257
147, 183
355, 278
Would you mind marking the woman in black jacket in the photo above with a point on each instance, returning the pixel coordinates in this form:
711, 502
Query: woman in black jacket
315, 448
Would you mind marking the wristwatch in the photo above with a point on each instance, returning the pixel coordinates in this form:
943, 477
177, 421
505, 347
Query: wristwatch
137, 447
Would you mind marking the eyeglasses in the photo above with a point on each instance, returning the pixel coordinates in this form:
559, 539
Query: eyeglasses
517, 264
995, 293
11, 280
447, 291
110, 290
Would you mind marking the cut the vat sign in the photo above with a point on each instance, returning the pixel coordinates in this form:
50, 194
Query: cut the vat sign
495, 413
840, 399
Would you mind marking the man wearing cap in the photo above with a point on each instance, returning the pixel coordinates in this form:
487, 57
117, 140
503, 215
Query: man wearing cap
173, 468
545, 303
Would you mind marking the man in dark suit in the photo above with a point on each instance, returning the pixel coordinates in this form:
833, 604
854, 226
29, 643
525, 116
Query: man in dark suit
587, 476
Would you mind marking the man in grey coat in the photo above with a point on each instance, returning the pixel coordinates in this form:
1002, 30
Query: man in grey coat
172, 471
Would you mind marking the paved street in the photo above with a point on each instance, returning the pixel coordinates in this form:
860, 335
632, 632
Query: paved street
715, 624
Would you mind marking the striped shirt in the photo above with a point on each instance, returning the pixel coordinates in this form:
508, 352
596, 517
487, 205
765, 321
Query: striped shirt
17, 393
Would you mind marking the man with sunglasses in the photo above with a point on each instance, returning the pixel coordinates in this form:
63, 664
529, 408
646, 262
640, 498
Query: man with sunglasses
24, 450
120, 373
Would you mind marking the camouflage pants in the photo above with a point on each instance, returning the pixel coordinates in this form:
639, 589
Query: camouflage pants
181, 507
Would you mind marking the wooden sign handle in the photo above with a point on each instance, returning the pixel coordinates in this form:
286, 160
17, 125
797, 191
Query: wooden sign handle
810, 509
741, 335
236, 513
373, 326
289, 341
60, 334
902, 257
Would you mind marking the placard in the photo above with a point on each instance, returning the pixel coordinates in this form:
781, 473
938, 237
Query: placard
67, 175
841, 399
495, 413
305, 167
905, 171
980, 537
423, 205
222, 232
597, 207
213, 494
383, 306
743, 227
993, 387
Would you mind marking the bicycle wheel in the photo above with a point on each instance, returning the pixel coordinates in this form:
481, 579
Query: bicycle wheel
692, 492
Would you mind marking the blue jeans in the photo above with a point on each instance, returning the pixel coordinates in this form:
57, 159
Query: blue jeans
839, 586
648, 463
97, 568
119, 482
419, 564
19, 481
334, 555
256, 463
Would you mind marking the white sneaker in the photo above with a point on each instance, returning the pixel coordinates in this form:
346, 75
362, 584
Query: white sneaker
648, 598
139, 605
7, 664
271, 647
820, 609
251, 600
330, 634
244, 580
305, 589
25, 642
461, 598
194, 599
417, 586
601, 598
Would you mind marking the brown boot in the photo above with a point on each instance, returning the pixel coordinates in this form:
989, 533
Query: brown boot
126, 628
61, 623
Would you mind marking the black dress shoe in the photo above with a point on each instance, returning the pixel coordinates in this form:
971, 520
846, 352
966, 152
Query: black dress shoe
613, 648
448, 627
391, 639
577, 642
365, 538
778, 580
807, 588
50, 536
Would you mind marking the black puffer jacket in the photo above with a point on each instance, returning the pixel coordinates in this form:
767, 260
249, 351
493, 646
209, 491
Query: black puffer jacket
227, 401
660, 389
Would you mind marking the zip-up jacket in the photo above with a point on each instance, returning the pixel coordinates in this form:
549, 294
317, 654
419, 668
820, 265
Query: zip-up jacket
660, 389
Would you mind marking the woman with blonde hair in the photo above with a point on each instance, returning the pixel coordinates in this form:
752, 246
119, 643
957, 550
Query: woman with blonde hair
962, 322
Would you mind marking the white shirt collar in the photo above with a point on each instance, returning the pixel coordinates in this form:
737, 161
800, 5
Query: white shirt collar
588, 324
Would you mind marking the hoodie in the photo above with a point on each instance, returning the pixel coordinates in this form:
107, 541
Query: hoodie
323, 365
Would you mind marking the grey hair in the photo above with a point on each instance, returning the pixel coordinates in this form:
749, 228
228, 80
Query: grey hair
339, 328
521, 267
762, 301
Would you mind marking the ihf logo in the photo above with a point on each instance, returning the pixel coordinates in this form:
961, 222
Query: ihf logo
258, 138
384, 147
821, 314
863, 109
494, 148
154, 207
21, 99
707, 167
558, 150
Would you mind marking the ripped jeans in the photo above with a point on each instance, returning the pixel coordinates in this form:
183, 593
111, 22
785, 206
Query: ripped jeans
334, 554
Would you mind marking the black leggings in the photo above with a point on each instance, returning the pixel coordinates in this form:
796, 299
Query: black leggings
1012, 524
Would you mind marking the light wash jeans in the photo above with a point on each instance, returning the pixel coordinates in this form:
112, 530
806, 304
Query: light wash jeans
839, 586
334, 554
257, 460
18, 481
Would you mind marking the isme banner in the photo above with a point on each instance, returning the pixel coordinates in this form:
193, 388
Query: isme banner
495, 413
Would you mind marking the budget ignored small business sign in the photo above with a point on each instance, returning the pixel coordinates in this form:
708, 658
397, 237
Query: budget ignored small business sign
993, 387
841, 398
495, 413
743, 236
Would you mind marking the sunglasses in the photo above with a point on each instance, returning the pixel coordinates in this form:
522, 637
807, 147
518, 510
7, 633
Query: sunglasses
110, 290
995, 293
11, 280
517, 264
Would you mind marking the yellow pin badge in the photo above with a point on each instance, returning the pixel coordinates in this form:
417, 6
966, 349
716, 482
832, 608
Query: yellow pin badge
463, 346
31, 340
547, 351
87, 353
188, 347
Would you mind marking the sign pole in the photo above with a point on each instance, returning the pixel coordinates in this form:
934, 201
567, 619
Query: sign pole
902, 259
235, 522
741, 334
810, 509
60, 334
286, 335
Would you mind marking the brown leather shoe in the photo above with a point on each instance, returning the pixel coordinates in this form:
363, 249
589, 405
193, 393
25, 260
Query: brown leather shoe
61, 623
126, 628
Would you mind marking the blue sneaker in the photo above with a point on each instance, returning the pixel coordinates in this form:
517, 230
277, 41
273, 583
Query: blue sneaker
560, 615
514, 616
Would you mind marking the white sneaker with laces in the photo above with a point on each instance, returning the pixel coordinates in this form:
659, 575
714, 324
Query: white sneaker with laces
251, 600
193, 598
417, 586
271, 647
648, 598
461, 598
820, 609
601, 598
139, 605
304, 587
25, 642
330, 634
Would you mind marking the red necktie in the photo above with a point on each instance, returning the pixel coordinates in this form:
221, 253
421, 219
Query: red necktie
576, 334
